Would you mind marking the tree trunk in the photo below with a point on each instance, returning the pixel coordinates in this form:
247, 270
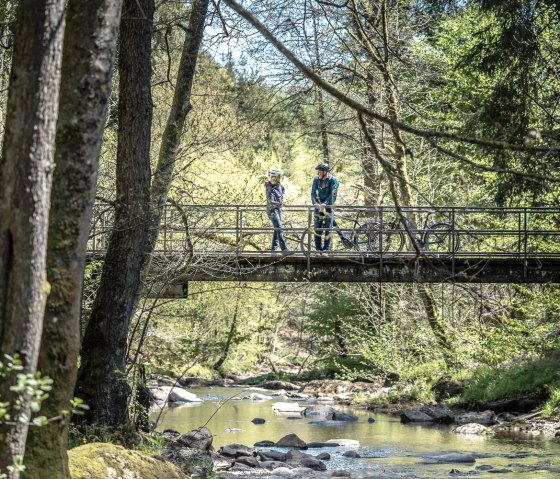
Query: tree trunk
383, 64
101, 381
88, 56
25, 184
231, 335
171, 140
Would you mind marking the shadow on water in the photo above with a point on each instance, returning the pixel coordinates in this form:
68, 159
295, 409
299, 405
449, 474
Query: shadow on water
385, 442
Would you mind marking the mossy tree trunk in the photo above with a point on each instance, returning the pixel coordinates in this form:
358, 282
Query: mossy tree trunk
25, 185
88, 56
101, 379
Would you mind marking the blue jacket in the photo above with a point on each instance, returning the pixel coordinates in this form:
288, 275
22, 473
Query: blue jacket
274, 195
324, 191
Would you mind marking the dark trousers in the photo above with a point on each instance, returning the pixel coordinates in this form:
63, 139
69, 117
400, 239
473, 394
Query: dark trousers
275, 216
323, 229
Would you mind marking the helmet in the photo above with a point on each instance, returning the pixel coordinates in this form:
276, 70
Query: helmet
275, 173
323, 167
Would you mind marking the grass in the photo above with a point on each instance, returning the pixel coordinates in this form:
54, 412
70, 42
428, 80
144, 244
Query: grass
515, 378
552, 406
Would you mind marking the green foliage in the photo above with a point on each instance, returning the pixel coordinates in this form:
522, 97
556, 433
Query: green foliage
552, 406
513, 378
30, 391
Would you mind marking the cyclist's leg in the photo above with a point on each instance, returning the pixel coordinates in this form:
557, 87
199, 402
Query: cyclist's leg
318, 228
279, 232
329, 218
271, 215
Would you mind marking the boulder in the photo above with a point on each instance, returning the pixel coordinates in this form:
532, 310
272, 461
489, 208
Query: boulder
197, 439
313, 463
414, 415
221, 463
275, 385
324, 456
104, 460
471, 428
272, 456
484, 417
439, 413
300, 459
291, 440
247, 461
322, 444
352, 454
343, 416
241, 467
328, 413
264, 444
173, 394
448, 458
287, 407
236, 450
298, 395
325, 412
259, 397
271, 465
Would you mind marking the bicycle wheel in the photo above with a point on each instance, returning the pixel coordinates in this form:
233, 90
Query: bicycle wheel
441, 240
306, 241
374, 237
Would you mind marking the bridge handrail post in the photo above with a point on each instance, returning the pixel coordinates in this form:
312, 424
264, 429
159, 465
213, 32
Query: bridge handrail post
165, 228
238, 227
309, 213
453, 249
525, 239
381, 246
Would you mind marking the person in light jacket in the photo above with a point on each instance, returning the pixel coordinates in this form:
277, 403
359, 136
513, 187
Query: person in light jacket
274, 198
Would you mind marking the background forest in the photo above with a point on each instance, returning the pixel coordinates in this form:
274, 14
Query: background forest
416, 102
449, 66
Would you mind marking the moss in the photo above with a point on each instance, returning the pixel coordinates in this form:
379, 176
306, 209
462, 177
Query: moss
108, 461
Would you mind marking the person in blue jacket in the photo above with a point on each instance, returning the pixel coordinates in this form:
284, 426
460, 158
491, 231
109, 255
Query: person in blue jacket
274, 198
323, 197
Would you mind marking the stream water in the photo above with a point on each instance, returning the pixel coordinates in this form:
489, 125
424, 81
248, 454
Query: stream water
385, 442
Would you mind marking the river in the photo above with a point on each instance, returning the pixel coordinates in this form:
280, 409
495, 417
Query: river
385, 442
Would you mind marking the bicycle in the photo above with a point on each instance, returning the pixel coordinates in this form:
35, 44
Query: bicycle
360, 237
440, 238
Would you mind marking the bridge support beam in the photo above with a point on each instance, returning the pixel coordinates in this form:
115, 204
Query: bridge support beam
370, 270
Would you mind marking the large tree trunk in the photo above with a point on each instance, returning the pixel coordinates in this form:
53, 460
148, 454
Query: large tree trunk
88, 56
25, 185
101, 381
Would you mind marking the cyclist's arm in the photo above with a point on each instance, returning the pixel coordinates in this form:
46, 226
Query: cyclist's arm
331, 199
314, 188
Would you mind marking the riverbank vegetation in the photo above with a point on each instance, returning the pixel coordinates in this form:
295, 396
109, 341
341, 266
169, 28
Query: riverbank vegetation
431, 103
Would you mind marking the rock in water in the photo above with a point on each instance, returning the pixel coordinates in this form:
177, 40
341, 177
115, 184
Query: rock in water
291, 440
197, 439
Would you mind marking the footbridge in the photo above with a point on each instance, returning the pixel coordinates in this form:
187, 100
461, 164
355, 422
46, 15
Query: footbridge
369, 244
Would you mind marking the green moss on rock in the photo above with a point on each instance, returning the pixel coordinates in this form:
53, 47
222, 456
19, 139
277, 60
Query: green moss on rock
109, 461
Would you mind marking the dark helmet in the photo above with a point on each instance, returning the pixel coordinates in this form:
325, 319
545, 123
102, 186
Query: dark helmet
323, 167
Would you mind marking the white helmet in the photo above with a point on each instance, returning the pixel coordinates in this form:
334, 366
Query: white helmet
275, 173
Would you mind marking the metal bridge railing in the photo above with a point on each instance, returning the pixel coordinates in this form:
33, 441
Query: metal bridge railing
245, 230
